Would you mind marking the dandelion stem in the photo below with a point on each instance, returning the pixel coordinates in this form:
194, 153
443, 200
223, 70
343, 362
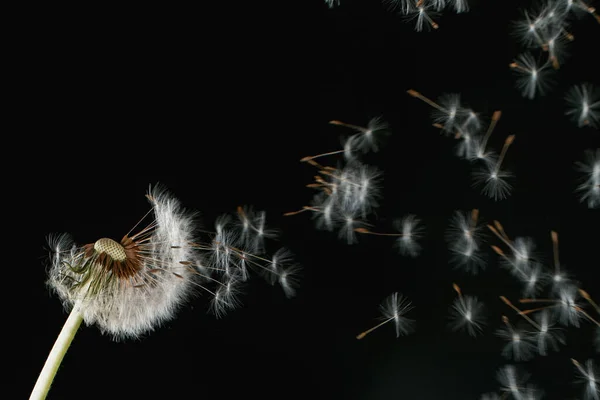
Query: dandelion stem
507, 143
495, 118
586, 296
554, 236
309, 158
521, 313
588, 316
365, 333
63, 341
418, 95
340, 123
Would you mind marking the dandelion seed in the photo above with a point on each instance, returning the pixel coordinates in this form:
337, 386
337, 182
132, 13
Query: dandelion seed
423, 14
589, 189
512, 380
532, 78
481, 152
548, 335
446, 112
521, 263
559, 277
519, 346
583, 105
464, 239
367, 138
467, 313
529, 30
568, 309
461, 6
394, 308
589, 378
492, 179
407, 239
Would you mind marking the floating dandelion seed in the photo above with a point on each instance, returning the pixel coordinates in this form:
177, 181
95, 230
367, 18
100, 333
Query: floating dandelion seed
481, 152
512, 380
464, 239
407, 239
589, 378
589, 188
532, 78
394, 308
519, 344
422, 13
467, 313
546, 334
492, 179
367, 138
583, 105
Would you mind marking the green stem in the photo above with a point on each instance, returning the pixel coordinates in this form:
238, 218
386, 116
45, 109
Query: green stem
63, 341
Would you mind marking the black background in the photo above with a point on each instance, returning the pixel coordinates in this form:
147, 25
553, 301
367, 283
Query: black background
219, 104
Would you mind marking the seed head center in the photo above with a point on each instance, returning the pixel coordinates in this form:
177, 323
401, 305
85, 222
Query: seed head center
111, 248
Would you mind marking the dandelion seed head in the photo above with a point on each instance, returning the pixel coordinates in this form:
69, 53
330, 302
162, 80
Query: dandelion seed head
128, 288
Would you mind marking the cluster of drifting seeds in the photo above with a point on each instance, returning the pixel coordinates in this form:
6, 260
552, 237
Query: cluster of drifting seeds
557, 303
544, 34
465, 125
421, 12
347, 194
552, 302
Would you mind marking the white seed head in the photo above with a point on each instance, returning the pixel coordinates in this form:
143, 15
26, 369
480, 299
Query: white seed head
130, 287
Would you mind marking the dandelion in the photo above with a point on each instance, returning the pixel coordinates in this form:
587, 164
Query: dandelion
589, 188
481, 152
492, 179
394, 308
367, 138
464, 239
348, 193
467, 313
130, 287
446, 111
579, 7
569, 311
519, 345
460, 6
549, 336
253, 229
407, 239
589, 378
532, 78
423, 14
530, 29
583, 105
559, 277
126, 288
512, 380
521, 263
